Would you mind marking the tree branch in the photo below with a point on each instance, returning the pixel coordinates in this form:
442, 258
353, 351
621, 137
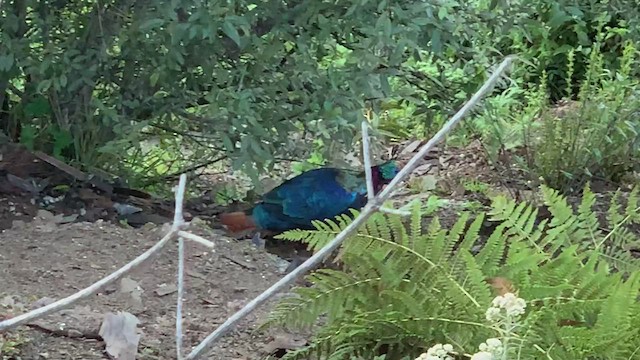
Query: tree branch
366, 155
178, 221
179, 297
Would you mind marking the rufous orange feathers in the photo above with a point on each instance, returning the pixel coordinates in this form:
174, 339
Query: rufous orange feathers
237, 221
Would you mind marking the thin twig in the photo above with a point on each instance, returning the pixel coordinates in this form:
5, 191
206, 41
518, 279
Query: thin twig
366, 155
189, 169
86, 292
177, 221
97, 286
180, 295
448, 126
368, 210
394, 211
195, 238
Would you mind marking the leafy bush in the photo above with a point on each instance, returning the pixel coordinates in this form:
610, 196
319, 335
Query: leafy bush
92, 82
148, 91
405, 288
596, 137
544, 31
600, 136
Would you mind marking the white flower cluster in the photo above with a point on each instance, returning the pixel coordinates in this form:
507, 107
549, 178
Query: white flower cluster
482, 355
492, 345
504, 311
508, 304
489, 350
437, 352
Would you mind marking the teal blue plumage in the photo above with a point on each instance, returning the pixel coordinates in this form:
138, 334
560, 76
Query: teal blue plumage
318, 194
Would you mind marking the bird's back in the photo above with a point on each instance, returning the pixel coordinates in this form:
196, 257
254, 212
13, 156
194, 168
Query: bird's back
314, 195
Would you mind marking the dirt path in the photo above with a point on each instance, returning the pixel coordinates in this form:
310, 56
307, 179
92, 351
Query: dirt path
44, 260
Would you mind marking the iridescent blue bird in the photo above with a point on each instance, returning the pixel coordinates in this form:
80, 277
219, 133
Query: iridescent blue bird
317, 194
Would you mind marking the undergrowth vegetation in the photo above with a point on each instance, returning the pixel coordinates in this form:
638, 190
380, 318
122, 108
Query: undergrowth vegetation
403, 287
596, 136
255, 91
145, 93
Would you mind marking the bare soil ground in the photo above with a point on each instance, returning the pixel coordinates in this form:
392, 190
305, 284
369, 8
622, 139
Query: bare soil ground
41, 260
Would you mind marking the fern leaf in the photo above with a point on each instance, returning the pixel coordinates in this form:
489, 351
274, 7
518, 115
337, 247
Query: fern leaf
492, 253
475, 279
632, 209
416, 220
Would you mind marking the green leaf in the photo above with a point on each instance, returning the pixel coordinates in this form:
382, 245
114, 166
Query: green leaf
583, 38
153, 79
177, 55
384, 24
436, 41
150, 24
37, 108
230, 30
558, 18
193, 31
442, 13
6, 62
62, 139
384, 84
44, 85
257, 148
28, 136
382, 5
228, 144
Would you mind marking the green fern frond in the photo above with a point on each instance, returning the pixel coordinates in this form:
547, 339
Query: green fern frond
332, 293
444, 249
475, 278
492, 254
519, 221
470, 238
558, 206
587, 218
614, 216
633, 209
401, 282
618, 319
416, 220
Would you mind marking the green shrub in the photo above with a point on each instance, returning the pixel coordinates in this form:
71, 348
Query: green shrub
598, 137
544, 31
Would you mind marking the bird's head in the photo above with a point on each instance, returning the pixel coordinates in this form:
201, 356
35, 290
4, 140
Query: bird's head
387, 171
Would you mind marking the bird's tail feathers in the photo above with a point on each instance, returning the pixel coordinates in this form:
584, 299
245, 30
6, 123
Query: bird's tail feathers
237, 221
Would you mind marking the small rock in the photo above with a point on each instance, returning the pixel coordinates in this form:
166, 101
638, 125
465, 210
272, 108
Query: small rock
44, 301
17, 224
165, 289
235, 305
44, 215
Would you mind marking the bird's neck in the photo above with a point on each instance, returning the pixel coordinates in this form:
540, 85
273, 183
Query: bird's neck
376, 180
357, 181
